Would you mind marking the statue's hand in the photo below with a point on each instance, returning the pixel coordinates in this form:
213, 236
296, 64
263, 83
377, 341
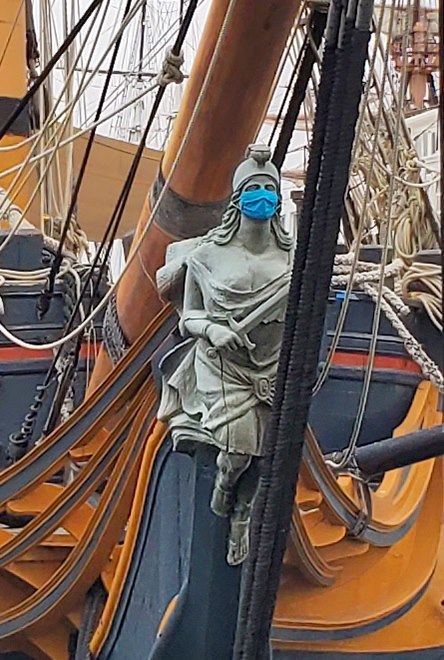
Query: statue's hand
223, 337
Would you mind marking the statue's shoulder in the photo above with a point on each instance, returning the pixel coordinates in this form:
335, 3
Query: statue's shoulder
170, 277
179, 256
205, 253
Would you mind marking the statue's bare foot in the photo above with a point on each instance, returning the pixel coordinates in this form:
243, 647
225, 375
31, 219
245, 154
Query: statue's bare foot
238, 542
221, 502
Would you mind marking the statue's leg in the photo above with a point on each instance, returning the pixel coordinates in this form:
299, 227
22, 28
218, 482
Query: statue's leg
230, 469
239, 540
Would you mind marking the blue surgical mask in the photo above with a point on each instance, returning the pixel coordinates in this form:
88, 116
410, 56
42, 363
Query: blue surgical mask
259, 204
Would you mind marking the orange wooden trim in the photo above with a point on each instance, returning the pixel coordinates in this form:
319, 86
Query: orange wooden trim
153, 445
344, 359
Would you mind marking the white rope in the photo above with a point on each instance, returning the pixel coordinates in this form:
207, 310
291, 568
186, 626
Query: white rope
423, 282
39, 347
58, 134
82, 132
380, 289
367, 193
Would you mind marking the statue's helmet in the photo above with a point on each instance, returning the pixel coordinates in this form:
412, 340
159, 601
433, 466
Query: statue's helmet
257, 161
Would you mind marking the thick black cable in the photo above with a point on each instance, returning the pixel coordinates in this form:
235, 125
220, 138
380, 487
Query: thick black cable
114, 222
316, 28
441, 150
297, 369
318, 137
95, 4
44, 300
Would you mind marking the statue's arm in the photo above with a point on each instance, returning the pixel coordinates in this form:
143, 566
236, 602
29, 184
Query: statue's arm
194, 318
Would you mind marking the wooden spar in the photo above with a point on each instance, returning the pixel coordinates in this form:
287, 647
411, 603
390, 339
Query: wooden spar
13, 86
229, 117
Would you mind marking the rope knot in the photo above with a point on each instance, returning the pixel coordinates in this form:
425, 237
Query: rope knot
171, 72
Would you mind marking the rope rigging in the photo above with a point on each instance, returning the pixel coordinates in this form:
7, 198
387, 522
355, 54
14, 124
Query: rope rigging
172, 57
19, 442
326, 182
46, 295
75, 235
38, 82
441, 142
408, 219
303, 69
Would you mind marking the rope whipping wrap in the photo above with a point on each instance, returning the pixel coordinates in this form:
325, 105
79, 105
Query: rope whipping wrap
327, 175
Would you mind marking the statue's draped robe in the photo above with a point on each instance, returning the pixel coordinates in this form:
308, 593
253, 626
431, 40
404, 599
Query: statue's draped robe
223, 400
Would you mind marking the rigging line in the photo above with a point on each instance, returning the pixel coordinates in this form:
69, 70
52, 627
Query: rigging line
316, 27
136, 246
44, 300
336, 117
84, 131
69, 60
11, 32
48, 123
59, 144
378, 305
441, 155
51, 152
293, 74
148, 57
358, 238
95, 4
112, 230
108, 241
79, 134
142, 39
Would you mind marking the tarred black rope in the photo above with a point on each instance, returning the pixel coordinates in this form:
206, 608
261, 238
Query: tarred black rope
316, 30
251, 571
95, 4
441, 143
44, 300
298, 363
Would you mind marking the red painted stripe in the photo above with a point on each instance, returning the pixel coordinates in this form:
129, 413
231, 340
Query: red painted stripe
19, 354
360, 360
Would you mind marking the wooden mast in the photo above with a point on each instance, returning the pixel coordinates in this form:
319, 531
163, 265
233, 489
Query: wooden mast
230, 115
13, 85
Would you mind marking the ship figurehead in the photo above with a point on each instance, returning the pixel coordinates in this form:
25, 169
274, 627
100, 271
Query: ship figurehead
230, 288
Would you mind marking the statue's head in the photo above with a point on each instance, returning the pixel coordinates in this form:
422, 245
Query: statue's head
257, 182
256, 196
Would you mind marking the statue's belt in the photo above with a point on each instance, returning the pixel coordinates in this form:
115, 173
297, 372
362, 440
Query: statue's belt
264, 389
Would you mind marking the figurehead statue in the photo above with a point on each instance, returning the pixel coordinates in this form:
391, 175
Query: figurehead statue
230, 287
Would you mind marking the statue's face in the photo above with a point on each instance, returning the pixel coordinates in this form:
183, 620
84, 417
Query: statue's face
259, 198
